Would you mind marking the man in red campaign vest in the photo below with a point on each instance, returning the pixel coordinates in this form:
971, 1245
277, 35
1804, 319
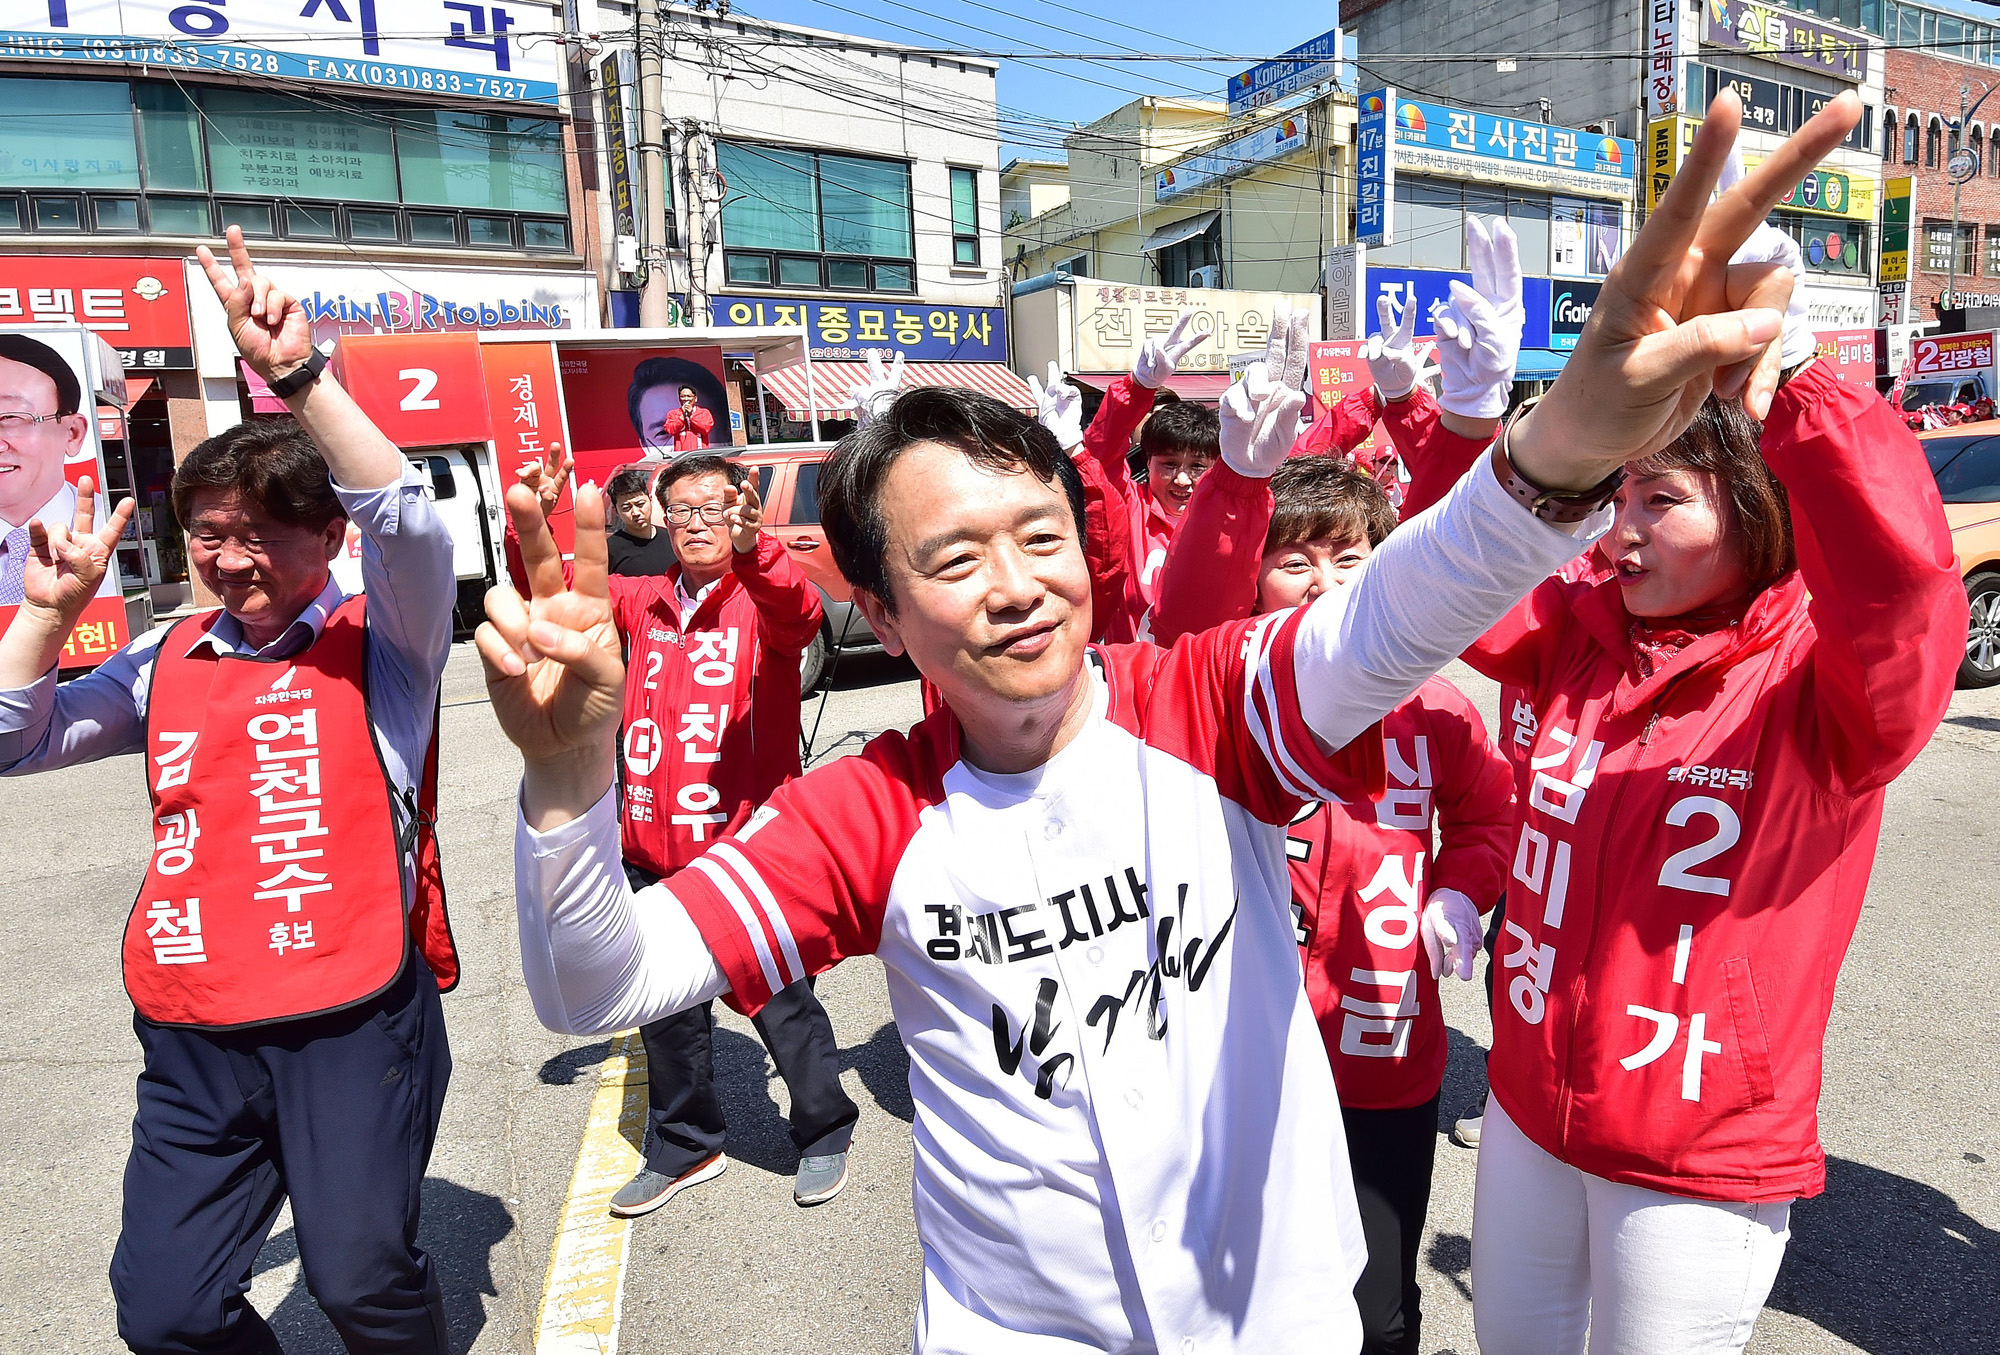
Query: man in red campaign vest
287, 949
710, 729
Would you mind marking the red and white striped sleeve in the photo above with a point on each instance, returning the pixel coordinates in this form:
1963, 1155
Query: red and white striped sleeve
804, 883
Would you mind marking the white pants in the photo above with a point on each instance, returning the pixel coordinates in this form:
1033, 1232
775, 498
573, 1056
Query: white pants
1556, 1251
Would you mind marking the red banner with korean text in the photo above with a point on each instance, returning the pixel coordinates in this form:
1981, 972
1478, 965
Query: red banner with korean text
1334, 371
138, 306
1850, 353
524, 402
421, 390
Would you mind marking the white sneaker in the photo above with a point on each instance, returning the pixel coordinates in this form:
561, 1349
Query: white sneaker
1466, 1132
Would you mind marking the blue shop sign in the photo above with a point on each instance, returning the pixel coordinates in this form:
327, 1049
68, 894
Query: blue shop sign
848, 330
1431, 290
1570, 305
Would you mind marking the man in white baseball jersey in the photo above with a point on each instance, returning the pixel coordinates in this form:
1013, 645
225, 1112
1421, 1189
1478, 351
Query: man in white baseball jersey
1126, 1132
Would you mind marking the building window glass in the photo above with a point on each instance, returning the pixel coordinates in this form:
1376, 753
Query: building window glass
1910, 140
178, 216
1177, 261
1993, 251
68, 134
1938, 248
1889, 135
267, 145
794, 218
1831, 245
1933, 141
1977, 145
965, 217
170, 129
487, 161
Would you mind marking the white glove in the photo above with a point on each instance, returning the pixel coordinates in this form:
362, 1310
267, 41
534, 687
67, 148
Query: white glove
1393, 362
1452, 931
1768, 244
1059, 408
872, 401
1260, 413
1479, 329
1160, 358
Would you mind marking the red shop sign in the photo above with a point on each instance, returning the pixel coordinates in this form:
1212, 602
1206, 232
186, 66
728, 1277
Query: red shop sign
139, 305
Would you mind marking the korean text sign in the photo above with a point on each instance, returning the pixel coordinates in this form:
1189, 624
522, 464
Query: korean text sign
524, 400
1783, 35
1948, 354
1335, 371
1462, 143
1850, 353
920, 331
1281, 136
1663, 76
471, 48
1113, 319
1308, 64
1429, 290
1375, 170
138, 306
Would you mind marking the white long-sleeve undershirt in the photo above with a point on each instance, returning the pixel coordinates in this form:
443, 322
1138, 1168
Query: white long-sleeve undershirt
598, 956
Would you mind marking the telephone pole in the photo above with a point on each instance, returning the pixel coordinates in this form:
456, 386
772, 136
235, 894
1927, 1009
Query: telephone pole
655, 300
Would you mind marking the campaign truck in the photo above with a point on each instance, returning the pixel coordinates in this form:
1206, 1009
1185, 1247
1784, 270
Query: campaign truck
1948, 379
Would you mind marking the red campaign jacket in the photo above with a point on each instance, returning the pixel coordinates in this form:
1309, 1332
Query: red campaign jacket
1694, 846
275, 888
711, 721
1362, 870
1129, 505
689, 431
1435, 457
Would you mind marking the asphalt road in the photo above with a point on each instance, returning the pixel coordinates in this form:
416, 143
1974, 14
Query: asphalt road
1902, 1255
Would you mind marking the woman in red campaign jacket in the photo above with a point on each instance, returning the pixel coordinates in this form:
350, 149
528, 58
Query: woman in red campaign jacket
1361, 871
1695, 841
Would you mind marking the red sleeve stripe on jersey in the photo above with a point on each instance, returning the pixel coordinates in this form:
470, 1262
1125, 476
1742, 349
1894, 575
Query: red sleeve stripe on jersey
1260, 713
768, 902
747, 916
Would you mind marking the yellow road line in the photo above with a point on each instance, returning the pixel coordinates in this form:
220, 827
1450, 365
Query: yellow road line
582, 1293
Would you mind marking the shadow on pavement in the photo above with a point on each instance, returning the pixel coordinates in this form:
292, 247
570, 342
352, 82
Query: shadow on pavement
1891, 1265
566, 1069
884, 1066
460, 1230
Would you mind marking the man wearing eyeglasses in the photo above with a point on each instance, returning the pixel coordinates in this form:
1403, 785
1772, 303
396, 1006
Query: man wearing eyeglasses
41, 426
726, 624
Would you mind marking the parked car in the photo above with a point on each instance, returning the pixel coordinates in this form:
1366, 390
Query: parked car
1966, 462
788, 483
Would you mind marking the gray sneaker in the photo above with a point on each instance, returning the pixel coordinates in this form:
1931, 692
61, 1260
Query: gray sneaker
1466, 1132
650, 1189
819, 1179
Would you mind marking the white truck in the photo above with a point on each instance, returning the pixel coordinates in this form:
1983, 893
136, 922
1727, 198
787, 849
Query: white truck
465, 486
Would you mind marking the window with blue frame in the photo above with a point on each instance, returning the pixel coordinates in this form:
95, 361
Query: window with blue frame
795, 218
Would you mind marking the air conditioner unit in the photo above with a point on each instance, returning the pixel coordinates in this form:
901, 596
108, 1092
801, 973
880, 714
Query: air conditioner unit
1210, 276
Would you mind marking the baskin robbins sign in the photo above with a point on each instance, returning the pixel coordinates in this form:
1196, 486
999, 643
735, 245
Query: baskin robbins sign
1462, 144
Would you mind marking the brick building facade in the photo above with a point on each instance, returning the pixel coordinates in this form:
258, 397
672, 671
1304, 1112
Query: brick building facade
1921, 102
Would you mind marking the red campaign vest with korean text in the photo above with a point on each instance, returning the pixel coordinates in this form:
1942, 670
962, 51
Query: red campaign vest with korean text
275, 888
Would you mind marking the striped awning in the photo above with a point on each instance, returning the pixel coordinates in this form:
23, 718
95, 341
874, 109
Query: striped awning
834, 383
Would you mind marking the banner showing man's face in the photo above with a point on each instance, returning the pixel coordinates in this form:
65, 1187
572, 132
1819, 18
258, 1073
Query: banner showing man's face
42, 424
625, 404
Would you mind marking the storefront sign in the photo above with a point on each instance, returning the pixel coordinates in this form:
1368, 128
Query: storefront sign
139, 306
1346, 273
364, 299
1336, 370
1839, 307
1827, 192
1667, 142
919, 330
1663, 58
1430, 291
1895, 303
1772, 106
619, 141
1112, 319
1462, 144
1895, 260
1282, 136
424, 390
454, 47
1786, 35
1318, 62
1849, 354
1375, 170
1570, 305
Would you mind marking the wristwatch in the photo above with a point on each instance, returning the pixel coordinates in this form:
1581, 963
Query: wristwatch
296, 380
1561, 506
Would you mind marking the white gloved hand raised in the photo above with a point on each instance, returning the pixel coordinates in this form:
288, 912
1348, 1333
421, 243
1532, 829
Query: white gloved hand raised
1160, 357
1451, 930
1479, 329
1393, 360
872, 401
1260, 413
1059, 408
1768, 244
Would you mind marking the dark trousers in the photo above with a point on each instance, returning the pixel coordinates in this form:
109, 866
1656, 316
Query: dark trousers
339, 1112
1391, 1152
684, 1124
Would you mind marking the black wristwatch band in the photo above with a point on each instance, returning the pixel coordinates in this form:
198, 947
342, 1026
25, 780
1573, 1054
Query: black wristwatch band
1561, 506
296, 380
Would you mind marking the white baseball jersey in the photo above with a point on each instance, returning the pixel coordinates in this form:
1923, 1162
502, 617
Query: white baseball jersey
1126, 1133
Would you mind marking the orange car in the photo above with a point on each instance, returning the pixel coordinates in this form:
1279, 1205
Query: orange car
788, 483
1966, 461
